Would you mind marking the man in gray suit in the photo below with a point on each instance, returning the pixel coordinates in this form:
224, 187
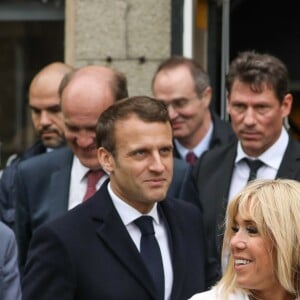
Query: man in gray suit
258, 102
10, 288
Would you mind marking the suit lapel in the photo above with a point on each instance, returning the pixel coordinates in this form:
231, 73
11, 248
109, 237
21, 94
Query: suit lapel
115, 236
227, 172
290, 163
221, 193
222, 181
175, 151
177, 246
58, 194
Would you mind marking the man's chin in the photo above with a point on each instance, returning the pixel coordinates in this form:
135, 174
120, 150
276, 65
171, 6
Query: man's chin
91, 163
52, 143
158, 196
252, 148
179, 134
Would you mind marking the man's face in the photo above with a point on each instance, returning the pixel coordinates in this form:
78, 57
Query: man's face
46, 114
187, 111
256, 118
141, 169
81, 107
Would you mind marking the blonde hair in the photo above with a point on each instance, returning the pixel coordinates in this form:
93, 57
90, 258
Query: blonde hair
274, 205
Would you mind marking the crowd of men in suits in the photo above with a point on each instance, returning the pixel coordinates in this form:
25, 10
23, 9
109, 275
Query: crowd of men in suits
169, 159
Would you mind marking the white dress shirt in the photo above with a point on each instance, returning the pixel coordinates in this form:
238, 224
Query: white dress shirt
271, 158
202, 146
128, 214
78, 183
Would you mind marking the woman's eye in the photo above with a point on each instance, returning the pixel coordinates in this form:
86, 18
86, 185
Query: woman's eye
252, 229
235, 229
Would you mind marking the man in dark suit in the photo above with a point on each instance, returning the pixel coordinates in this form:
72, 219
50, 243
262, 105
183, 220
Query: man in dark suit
96, 250
47, 122
51, 184
184, 86
258, 102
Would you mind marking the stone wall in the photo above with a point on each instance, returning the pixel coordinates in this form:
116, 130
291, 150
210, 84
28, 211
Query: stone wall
132, 36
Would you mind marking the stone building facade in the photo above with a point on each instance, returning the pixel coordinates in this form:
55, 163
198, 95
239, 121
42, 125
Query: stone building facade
132, 36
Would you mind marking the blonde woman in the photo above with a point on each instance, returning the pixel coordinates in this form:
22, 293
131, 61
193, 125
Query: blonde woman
263, 235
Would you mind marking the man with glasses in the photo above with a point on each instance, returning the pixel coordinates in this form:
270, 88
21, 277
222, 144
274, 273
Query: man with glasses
184, 85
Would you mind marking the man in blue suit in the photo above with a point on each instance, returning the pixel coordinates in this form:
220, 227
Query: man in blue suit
95, 250
51, 184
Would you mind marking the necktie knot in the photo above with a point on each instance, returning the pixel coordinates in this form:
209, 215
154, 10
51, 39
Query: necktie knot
253, 165
145, 225
191, 158
93, 177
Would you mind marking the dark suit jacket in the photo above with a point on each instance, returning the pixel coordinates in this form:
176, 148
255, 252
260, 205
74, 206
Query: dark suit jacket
42, 192
88, 254
7, 206
212, 175
222, 134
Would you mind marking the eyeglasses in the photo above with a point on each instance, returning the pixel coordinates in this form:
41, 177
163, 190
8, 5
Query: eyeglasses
180, 103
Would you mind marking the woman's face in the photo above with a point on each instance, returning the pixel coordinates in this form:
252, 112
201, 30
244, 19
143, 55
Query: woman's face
252, 256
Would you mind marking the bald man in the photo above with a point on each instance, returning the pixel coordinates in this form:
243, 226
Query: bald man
49, 185
47, 121
44, 103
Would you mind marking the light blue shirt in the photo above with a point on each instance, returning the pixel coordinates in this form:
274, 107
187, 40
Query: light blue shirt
202, 146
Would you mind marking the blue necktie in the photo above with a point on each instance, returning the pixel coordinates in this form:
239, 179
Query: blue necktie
150, 252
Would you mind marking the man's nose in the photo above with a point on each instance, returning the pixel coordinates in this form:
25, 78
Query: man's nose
84, 140
250, 117
45, 120
172, 112
156, 163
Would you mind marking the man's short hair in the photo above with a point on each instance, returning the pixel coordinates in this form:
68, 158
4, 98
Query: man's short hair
199, 75
145, 108
259, 70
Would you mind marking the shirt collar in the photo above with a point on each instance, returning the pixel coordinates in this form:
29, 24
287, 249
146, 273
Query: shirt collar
202, 146
79, 169
273, 155
127, 213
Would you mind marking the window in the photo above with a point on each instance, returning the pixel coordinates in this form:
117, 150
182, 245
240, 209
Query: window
31, 36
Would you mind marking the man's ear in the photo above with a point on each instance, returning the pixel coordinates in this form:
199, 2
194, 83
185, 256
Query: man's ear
105, 159
206, 96
286, 105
